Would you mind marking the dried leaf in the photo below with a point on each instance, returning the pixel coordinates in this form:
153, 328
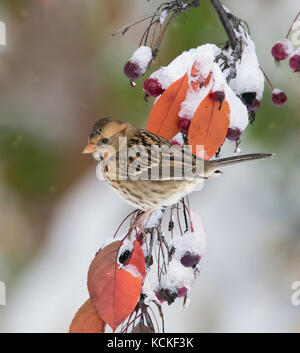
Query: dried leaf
209, 126
87, 320
115, 291
163, 119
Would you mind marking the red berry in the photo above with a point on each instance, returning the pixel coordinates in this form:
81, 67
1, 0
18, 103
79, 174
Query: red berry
278, 97
152, 87
234, 134
218, 96
295, 62
132, 70
184, 124
175, 143
182, 292
253, 108
189, 259
281, 50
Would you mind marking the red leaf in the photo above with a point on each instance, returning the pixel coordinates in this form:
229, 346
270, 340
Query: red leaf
163, 119
87, 320
115, 292
137, 259
209, 126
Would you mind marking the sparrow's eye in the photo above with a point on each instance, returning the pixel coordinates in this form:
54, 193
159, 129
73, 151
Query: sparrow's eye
105, 140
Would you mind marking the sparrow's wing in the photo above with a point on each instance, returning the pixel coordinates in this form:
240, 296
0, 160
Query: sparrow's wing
152, 157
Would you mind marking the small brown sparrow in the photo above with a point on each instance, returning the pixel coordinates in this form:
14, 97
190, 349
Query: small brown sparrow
130, 175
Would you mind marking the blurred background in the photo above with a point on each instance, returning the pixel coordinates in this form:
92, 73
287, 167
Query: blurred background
60, 71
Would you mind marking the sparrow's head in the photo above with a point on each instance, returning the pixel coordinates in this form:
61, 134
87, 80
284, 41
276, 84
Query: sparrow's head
105, 134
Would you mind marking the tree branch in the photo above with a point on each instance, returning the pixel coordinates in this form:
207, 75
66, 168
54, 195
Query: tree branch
225, 22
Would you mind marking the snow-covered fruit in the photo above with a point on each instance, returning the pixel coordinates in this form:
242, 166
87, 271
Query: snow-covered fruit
184, 124
182, 292
175, 143
234, 134
218, 96
278, 97
295, 61
249, 76
152, 87
190, 260
166, 294
138, 63
282, 49
132, 70
253, 108
252, 104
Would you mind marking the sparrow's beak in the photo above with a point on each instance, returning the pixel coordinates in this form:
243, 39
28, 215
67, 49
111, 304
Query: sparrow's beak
89, 148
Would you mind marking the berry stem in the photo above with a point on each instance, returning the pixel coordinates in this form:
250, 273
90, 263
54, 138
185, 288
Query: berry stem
147, 31
267, 78
288, 33
162, 32
157, 12
125, 28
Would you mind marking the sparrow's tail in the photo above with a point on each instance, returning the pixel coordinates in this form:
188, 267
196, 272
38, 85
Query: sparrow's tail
211, 167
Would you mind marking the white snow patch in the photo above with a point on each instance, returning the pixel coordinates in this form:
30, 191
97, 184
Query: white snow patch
163, 16
287, 44
249, 76
149, 288
178, 138
277, 91
132, 270
296, 52
192, 101
178, 276
193, 242
127, 245
142, 56
238, 110
153, 219
184, 62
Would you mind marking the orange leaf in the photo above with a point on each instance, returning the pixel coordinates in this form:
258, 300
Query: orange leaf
115, 292
87, 320
163, 119
209, 126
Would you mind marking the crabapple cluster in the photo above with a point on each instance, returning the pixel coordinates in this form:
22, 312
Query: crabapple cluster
284, 49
